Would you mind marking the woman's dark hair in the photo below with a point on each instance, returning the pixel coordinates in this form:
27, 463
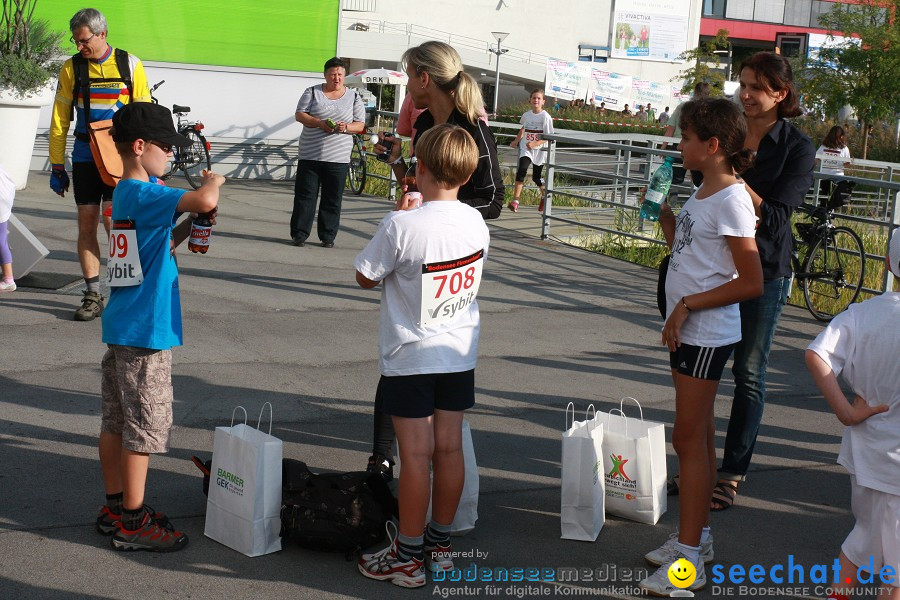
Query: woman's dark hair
835, 138
775, 74
719, 118
335, 62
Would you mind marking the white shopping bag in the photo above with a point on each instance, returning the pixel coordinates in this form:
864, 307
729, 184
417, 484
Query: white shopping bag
582, 509
467, 511
244, 505
634, 463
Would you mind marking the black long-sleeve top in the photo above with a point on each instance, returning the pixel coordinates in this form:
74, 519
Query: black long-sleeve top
781, 175
484, 190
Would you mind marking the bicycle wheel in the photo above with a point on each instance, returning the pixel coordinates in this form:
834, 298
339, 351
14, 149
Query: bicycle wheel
356, 176
194, 159
834, 273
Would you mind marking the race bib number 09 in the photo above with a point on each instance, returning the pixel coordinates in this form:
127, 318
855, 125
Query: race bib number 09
123, 266
449, 288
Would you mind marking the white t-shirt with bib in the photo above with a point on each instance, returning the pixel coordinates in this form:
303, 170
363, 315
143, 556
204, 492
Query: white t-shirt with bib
535, 125
834, 167
701, 261
405, 247
862, 344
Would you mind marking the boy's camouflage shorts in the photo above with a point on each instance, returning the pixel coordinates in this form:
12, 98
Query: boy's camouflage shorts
136, 393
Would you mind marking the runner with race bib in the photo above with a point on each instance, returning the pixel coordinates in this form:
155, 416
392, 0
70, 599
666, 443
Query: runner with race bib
536, 123
430, 260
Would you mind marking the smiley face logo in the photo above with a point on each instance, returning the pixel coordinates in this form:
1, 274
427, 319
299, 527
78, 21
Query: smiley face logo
682, 573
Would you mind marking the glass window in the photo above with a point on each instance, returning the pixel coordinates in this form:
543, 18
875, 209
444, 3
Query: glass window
714, 8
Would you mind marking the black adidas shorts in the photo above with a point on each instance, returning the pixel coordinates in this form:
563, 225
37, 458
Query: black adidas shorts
700, 362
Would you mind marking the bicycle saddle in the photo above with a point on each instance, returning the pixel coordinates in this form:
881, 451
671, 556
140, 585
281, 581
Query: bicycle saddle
180, 109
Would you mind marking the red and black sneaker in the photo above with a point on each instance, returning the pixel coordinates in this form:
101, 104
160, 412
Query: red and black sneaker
148, 536
108, 521
387, 566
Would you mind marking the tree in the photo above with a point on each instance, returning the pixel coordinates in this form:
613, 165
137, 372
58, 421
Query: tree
861, 70
705, 65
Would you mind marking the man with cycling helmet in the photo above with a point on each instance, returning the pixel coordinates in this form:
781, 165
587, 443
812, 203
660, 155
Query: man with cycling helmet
95, 82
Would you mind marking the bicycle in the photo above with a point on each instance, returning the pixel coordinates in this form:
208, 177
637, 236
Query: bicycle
834, 263
194, 159
356, 176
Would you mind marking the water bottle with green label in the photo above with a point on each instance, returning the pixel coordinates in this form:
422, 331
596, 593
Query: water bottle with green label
658, 190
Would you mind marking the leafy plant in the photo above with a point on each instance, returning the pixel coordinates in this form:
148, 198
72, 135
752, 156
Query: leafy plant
30, 50
863, 69
704, 65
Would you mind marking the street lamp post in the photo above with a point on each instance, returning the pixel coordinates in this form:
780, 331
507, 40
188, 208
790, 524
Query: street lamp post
499, 36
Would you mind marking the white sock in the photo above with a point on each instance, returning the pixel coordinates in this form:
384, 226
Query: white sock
704, 535
692, 553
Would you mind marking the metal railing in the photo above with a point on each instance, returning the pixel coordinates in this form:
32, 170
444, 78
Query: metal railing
458, 41
595, 181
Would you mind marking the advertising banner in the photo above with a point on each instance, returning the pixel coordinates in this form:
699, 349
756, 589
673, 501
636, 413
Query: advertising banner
650, 29
612, 88
563, 80
644, 91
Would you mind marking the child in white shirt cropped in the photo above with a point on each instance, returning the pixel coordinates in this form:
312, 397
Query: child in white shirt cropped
862, 344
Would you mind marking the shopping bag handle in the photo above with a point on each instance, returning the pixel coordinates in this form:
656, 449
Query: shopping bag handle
622, 406
259, 423
572, 406
235, 410
624, 418
589, 421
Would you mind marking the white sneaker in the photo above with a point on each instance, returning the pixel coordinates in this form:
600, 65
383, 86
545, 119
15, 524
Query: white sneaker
658, 584
7, 286
386, 566
664, 553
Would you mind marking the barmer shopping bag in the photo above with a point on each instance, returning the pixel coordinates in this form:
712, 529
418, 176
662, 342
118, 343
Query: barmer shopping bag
467, 510
634, 463
244, 504
582, 503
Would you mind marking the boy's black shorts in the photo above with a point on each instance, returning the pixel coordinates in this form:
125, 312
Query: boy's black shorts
417, 396
700, 362
87, 186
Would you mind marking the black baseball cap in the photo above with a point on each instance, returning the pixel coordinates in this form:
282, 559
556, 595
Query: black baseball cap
146, 121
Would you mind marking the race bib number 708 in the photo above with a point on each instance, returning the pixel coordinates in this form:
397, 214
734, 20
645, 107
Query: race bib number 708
449, 288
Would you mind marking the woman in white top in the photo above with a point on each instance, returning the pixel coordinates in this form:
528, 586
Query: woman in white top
834, 144
715, 264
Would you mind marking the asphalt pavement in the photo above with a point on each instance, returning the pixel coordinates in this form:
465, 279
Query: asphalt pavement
265, 321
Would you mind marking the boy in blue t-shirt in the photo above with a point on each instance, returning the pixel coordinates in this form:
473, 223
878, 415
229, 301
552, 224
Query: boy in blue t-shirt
142, 322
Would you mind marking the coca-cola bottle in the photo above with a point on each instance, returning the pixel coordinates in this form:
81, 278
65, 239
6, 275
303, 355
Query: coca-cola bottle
409, 181
201, 229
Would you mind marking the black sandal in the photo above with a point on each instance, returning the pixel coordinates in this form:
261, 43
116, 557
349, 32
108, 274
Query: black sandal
723, 495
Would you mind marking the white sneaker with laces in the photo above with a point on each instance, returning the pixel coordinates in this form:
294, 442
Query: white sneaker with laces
658, 584
7, 286
386, 566
664, 553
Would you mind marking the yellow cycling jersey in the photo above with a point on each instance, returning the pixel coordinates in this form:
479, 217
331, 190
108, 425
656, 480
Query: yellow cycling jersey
106, 99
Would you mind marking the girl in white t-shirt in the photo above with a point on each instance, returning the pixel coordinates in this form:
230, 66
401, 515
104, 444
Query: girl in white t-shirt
535, 123
714, 265
834, 144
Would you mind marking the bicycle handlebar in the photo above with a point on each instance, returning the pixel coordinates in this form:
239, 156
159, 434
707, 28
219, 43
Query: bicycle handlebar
153, 89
